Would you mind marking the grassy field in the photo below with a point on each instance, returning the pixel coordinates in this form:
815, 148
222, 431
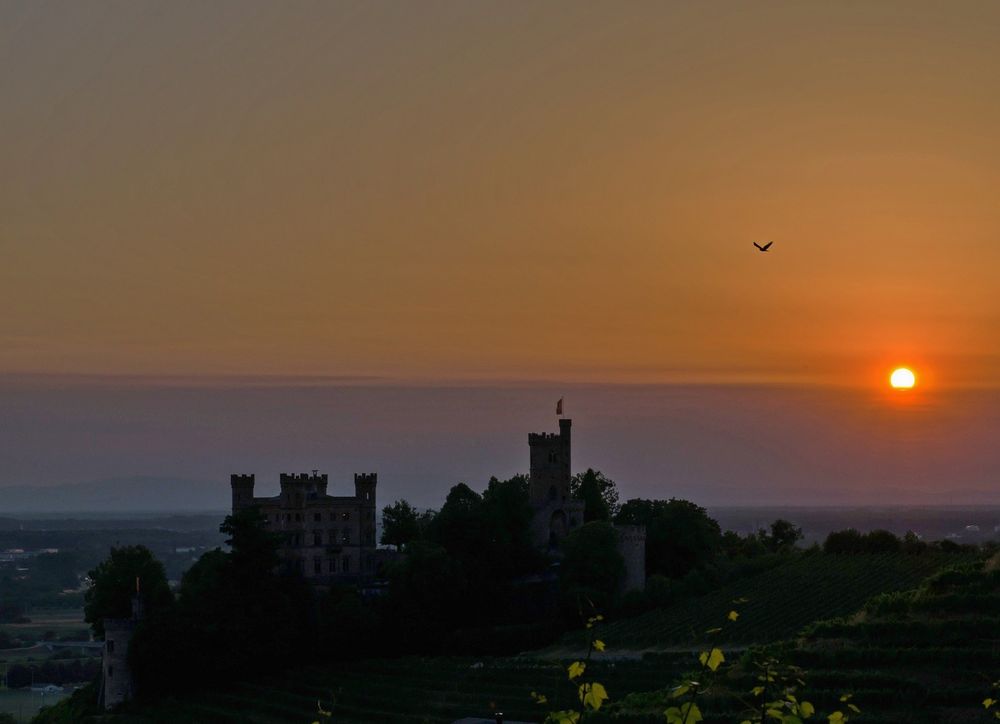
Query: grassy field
23, 704
924, 656
54, 624
779, 602
58, 622
410, 690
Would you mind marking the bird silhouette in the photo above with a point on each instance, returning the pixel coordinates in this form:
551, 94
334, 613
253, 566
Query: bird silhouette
765, 247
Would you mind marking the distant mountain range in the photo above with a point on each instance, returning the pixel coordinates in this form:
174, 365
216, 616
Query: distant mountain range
117, 495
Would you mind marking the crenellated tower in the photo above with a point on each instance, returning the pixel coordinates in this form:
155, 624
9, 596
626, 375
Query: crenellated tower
550, 465
364, 491
242, 486
556, 513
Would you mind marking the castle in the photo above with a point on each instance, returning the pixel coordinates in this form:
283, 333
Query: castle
328, 538
557, 513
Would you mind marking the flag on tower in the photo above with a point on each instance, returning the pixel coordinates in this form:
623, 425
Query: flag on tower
559, 406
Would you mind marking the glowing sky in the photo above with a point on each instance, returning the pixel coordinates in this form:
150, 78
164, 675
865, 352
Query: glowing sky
501, 190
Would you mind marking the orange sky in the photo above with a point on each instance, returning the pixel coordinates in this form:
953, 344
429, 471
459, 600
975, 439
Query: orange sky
498, 190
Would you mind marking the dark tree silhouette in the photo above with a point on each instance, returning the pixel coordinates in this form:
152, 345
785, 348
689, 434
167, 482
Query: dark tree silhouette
598, 492
113, 584
400, 524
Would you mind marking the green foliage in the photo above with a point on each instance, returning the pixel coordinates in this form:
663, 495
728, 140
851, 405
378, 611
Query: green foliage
590, 693
680, 536
234, 611
78, 706
783, 535
852, 542
990, 703
455, 583
591, 568
598, 492
400, 524
113, 584
786, 595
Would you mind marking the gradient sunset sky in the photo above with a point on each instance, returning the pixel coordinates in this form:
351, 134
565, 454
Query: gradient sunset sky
503, 190
459, 192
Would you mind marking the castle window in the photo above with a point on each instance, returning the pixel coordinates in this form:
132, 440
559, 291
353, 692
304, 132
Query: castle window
553, 493
331, 535
346, 515
317, 539
298, 516
111, 647
347, 535
333, 565
346, 564
317, 565
317, 517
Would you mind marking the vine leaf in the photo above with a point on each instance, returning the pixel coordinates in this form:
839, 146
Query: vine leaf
712, 659
593, 695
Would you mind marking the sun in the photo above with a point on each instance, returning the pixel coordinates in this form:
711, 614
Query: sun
902, 379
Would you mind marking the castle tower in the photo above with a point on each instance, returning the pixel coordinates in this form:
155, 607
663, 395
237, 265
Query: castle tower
632, 546
117, 685
550, 465
364, 491
242, 486
556, 513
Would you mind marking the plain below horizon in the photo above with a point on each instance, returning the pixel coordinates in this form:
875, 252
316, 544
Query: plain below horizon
712, 444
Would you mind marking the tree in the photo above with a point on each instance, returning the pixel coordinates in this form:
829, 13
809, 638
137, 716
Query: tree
113, 585
400, 524
680, 536
844, 541
592, 568
784, 534
234, 611
458, 527
598, 492
506, 520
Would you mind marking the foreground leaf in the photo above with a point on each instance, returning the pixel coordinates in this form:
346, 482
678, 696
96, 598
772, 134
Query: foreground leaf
593, 695
712, 659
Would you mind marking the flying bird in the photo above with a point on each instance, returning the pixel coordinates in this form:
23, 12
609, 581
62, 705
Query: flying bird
765, 247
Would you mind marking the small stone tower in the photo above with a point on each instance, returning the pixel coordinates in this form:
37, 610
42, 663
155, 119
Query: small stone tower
117, 684
632, 546
556, 512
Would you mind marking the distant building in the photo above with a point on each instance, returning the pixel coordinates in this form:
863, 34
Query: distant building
557, 513
326, 538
